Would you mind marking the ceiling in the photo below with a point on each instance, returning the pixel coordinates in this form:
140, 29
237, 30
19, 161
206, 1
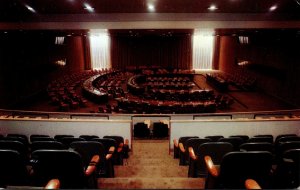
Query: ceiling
148, 14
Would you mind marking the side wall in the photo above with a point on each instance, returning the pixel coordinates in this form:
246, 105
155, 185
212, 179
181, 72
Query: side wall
275, 63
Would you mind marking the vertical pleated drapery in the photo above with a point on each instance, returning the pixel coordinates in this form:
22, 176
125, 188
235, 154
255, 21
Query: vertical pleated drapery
203, 48
100, 49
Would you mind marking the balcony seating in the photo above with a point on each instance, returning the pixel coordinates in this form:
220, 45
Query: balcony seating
216, 150
237, 167
65, 165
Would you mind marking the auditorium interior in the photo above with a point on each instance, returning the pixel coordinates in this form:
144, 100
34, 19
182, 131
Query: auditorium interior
148, 94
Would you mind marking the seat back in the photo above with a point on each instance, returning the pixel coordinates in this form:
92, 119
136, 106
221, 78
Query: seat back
17, 146
216, 150
244, 137
65, 165
88, 137
33, 139
257, 146
68, 140
267, 139
37, 136
141, 130
107, 143
236, 167
13, 170
214, 138
59, 137
24, 137
235, 141
194, 143
160, 129
46, 145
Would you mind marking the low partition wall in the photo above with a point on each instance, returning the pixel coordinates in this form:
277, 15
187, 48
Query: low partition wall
250, 127
67, 126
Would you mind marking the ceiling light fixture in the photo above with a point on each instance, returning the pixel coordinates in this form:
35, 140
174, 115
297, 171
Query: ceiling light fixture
151, 8
30, 8
88, 7
212, 8
273, 8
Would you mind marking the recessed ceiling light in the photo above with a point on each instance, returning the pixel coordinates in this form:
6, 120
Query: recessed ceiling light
151, 8
273, 8
30, 8
88, 7
212, 7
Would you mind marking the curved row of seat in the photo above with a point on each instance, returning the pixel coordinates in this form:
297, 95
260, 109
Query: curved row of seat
271, 164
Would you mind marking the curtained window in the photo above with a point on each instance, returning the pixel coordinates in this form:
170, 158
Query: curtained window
203, 46
100, 49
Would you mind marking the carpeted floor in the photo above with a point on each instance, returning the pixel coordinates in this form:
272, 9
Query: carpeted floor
150, 166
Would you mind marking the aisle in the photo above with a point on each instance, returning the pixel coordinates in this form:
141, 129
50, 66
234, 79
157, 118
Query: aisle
151, 167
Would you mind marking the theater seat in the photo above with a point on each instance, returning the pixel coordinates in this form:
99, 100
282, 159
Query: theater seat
65, 165
122, 148
88, 149
216, 150
13, 171
237, 167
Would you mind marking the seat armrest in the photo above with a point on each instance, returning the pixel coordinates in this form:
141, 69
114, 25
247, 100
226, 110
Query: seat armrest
175, 143
120, 148
251, 184
181, 147
110, 153
95, 160
126, 142
53, 184
192, 153
212, 169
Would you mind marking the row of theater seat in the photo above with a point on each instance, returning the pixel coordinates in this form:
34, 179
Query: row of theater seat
64, 157
228, 162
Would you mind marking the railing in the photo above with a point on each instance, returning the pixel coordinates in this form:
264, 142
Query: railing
4, 113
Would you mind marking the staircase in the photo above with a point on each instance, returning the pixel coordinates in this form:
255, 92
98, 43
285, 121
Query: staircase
151, 167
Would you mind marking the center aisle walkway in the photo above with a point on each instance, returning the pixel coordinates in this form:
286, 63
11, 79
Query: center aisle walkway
151, 167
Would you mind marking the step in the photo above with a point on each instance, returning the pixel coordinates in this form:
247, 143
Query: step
151, 183
151, 171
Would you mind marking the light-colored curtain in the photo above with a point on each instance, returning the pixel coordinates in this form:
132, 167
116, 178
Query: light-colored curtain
100, 49
203, 47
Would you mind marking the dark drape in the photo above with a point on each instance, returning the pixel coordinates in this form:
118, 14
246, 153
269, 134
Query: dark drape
129, 52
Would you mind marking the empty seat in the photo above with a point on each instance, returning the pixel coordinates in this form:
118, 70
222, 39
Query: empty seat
122, 148
68, 140
13, 169
237, 167
59, 137
176, 144
216, 150
287, 173
244, 137
33, 139
160, 130
17, 146
88, 149
65, 165
184, 148
141, 130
